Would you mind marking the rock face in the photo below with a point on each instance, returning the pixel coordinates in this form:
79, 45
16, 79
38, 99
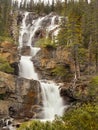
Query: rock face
7, 89
76, 92
9, 56
25, 50
28, 95
8, 51
19, 98
7, 83
48, 60
22, 98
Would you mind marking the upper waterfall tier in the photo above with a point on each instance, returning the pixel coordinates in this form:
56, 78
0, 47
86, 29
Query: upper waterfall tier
35, 27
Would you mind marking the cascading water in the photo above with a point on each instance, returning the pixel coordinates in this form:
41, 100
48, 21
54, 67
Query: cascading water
26, 68
52, 102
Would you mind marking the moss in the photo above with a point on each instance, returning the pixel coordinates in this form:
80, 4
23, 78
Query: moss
3, 38
46, 43
62, 72
2, 60
5, 66
59, 71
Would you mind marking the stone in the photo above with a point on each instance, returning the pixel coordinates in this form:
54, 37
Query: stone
4, 108
25, 39
8, 51
48, 59
28, 94
26, 51
7, 83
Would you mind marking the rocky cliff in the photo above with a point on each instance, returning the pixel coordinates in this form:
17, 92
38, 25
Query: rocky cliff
22, 98
54, 64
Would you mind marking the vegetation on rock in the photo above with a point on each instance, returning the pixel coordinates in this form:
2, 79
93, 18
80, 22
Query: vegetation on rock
5, 66
79, 35
46, 43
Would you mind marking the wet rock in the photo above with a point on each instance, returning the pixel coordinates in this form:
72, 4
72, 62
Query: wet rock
31, 16
25, 39
25, 50
5, 123
67, 95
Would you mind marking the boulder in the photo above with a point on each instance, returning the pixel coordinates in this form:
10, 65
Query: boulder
28, 94
8, 51
7, 89
7, 83
4, 108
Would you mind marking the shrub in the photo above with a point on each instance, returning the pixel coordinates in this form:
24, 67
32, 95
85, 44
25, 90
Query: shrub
5, 66
82, 118
46, 43
62, 72
3, 38
59, 71
93, 88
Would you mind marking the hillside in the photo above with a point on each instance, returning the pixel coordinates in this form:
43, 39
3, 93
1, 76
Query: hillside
49, 65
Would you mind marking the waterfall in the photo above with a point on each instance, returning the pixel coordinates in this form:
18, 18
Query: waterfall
26, 68
52, 102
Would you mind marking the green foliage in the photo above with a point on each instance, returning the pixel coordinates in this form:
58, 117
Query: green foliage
4, 66
6, 38
46, 43
82, 118
93, 88
83, 55
5, 6
60, 71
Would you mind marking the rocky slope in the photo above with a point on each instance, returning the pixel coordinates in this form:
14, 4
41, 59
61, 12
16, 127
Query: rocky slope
54, 64
21, 98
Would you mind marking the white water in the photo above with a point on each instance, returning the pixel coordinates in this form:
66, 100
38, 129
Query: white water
52, 102
23, 30
26, 68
